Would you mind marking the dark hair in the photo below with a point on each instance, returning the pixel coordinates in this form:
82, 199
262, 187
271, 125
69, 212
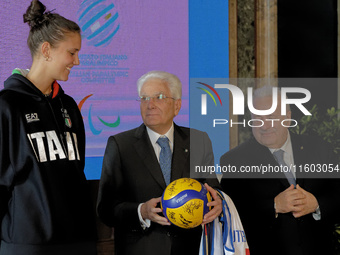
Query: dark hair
46, 26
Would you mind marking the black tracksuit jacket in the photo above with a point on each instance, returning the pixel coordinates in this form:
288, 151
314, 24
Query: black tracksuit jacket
44, 198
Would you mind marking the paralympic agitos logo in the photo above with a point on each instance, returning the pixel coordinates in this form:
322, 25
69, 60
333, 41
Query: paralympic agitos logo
239, 102
93, 129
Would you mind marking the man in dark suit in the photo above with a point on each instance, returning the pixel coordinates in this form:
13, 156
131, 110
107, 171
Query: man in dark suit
283, 214
132, 180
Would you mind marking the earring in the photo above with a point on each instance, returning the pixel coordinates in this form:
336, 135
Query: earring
47, 58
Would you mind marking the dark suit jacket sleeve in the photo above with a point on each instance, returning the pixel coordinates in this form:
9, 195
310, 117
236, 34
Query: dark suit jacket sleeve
329, 201
252, 196
259, 193
328, 192
203, 156
112, 207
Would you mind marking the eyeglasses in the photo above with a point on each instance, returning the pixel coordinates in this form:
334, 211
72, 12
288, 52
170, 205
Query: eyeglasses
158, 99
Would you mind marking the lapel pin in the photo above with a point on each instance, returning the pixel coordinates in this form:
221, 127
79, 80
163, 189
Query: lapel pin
301, 147
186, 150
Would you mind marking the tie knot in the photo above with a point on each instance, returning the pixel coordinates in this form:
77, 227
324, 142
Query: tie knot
163, 142
278, 155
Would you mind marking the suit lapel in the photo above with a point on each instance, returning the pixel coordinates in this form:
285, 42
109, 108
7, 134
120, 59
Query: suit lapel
298, 155
180, 155
146, 152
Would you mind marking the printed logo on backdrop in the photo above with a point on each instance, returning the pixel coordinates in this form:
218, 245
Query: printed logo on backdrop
94, 130
100, 26
98, 21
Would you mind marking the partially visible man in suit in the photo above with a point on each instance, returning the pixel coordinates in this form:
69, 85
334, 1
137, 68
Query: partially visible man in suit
132, 180
288, 214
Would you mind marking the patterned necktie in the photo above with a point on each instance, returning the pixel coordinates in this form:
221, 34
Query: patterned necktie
278, 155
165, 158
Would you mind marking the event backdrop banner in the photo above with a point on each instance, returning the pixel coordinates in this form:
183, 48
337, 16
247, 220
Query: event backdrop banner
121, 40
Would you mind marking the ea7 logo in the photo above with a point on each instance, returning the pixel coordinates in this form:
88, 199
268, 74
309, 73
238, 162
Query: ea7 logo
31, 117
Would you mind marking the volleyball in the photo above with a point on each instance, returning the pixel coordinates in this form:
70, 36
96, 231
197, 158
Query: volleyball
184, 202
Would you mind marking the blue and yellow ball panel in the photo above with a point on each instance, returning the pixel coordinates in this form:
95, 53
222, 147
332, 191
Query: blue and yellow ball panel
184, 202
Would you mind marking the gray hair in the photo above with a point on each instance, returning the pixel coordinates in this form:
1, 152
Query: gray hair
172, 81
267, 91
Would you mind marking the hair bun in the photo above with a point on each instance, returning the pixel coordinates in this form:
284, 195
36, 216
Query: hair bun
34, 15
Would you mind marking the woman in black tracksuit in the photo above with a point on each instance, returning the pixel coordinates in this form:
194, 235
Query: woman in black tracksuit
44, 199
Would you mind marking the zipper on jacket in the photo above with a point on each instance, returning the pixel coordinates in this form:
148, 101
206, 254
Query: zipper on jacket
61, 134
